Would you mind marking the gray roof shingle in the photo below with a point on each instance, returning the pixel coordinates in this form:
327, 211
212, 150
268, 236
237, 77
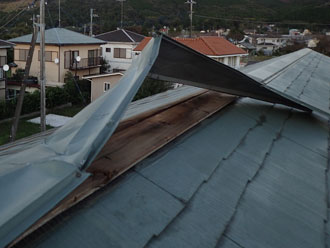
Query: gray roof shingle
60, 36
121, 35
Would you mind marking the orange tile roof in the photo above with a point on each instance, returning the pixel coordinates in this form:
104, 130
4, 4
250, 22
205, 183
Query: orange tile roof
142, 44
207, 45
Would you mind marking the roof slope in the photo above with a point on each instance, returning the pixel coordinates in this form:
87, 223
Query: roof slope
301, 76
60, 36
207, 45
6, 44
230, 182
121, 35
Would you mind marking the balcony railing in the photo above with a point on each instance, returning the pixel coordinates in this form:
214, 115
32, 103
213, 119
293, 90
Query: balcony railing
86, 63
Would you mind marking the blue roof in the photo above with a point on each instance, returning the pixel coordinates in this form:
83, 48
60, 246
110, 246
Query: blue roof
253, 175
60, 36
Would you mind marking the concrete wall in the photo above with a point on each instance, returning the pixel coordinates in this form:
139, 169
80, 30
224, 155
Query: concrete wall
55, 73
118, 63
97, 85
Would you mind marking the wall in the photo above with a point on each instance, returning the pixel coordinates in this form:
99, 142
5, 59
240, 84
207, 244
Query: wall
97, 85
55, 73
118, 63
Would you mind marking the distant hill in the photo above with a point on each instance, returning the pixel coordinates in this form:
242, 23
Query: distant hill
158, 13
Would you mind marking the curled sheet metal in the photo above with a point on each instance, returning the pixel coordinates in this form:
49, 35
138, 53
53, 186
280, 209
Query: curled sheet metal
34, 180
181, 64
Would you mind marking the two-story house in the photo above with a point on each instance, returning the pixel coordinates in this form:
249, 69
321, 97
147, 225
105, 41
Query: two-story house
118, 50
270, 44
62, 48
214, 47
4, 46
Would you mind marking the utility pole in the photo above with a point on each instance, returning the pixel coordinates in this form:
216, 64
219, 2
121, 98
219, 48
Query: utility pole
91, 24
42, 68
191, 2
59, 13
122, 12
23, 84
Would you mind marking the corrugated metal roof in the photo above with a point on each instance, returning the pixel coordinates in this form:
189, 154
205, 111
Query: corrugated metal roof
301, 76
243, 178
247, 134
60, 36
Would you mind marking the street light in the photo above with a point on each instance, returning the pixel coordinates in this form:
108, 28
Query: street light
6, 68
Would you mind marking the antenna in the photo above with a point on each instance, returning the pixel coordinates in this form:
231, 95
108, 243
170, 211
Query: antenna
122, 12
191, 2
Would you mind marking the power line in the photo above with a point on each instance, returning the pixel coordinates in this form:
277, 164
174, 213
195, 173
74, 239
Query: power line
264, 22
19, 13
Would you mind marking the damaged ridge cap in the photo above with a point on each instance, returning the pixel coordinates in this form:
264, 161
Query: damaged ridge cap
284, 69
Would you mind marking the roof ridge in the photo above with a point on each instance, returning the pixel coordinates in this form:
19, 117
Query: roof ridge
108, 32
208, 45
124, 31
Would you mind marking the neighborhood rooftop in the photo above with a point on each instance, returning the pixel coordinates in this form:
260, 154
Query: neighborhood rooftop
60, 36
207, 45
121, 35
6, 44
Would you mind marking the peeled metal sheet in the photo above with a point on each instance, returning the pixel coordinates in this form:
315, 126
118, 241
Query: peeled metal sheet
34, 180
181, 64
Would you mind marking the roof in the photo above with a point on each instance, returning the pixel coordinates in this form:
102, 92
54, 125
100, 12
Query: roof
142, 44
299, 76
207, 45
60, 36
247, 45
121, 35
6, 44
200, 191
227, 180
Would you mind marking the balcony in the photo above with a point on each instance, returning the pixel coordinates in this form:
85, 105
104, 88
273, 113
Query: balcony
86, 63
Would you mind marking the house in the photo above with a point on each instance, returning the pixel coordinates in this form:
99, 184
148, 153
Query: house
187, 168
4, 46
214, 47
117, 51
62, 47
246, 45
102, 83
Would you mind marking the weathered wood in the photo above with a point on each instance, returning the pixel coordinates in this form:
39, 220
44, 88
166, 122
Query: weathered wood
129, 146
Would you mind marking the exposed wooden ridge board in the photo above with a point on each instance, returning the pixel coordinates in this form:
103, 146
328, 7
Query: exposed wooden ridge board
135, 142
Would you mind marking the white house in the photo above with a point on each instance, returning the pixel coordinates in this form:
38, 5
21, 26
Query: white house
270, 44
118, 51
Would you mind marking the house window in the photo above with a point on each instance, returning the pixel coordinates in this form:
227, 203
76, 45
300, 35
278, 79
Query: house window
3, 60
108, 50
48, 56
93, 56
120, 53
69, 57
106, 86
23, 54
